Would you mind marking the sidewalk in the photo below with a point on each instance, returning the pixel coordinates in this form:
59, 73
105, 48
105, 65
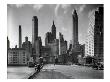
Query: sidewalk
20, 72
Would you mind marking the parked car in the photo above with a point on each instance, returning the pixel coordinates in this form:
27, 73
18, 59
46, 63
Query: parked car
98, 66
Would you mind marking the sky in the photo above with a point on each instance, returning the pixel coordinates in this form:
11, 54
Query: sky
21, 14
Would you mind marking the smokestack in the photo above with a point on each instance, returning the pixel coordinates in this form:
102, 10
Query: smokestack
20, 37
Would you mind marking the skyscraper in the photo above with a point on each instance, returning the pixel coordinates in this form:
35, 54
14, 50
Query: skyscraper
20, 37
75, 29
34, 30
53, 31
94, 43
98, 33
89, 46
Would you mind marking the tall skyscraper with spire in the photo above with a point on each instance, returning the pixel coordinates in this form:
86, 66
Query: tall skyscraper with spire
75, 29
34, 30
54, 30
20, 37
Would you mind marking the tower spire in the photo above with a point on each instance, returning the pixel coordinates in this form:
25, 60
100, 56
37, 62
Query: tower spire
53, 22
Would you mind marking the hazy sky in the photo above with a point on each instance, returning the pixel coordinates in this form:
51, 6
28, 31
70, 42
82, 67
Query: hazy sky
21, 14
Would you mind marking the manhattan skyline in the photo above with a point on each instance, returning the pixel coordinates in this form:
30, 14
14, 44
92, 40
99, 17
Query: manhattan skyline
21, 14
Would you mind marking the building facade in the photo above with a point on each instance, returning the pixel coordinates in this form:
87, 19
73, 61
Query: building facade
99, 33
94, 41
28, 47
89, 50
62, 45
17, 56
52, 43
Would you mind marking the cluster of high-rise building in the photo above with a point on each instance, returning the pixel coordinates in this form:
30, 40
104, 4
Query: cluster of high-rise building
56, 48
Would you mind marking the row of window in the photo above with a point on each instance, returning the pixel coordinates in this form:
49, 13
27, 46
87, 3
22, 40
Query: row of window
17, 52
17, 62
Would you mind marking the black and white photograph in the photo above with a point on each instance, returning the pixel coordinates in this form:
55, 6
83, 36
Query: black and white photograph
55, 41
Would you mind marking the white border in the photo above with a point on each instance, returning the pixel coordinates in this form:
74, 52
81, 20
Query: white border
3, 32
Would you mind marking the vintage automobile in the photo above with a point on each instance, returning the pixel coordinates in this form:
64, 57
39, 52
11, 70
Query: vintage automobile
98, 66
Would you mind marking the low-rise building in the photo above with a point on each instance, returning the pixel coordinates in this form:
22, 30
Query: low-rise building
17, 56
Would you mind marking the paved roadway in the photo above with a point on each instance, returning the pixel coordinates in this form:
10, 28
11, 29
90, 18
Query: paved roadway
51, 71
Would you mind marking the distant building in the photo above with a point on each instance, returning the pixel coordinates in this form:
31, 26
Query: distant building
8, 43
20, 37
75, 29
75, 51
62, 45
53, 31
27, 46
45, 53
51, 36
52, 43
34, 30
36, 40
38, 45
8, 47
17, 56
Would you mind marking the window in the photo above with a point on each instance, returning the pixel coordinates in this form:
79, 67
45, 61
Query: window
23, 52
13, 52
23, 59
23, 62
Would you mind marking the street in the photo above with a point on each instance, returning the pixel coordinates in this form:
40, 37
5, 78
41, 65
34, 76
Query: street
51, 71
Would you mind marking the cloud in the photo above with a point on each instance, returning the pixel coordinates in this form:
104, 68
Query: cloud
16, 5
37, 7
19, 5
63, 6
81, 8
90, 13
56, 9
